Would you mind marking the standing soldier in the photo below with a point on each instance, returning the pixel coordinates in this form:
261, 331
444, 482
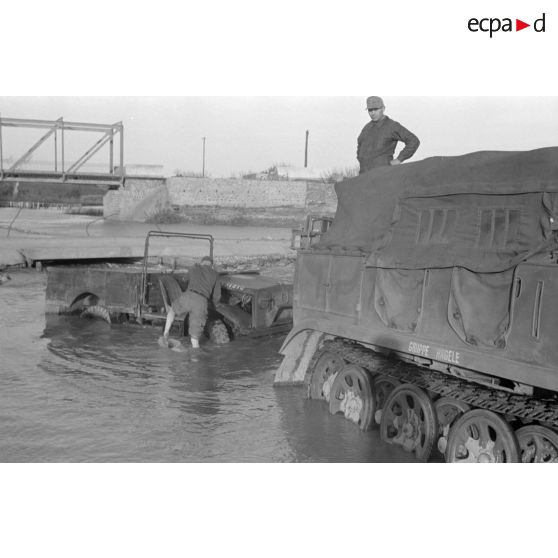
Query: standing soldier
378, 139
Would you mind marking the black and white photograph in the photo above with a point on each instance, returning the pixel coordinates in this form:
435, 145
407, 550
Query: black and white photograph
266, 274
373, 292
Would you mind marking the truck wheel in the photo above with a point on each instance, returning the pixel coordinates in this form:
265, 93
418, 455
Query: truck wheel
482, 436
409, 420
323, 374
233, 328
448, 410
382, 387
351, 394
537, 444
96, 311
217, 332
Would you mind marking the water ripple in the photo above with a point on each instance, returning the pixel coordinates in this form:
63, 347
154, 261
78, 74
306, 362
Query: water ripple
74, 390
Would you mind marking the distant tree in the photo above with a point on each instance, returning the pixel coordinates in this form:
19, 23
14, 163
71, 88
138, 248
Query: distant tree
337, 175
190, 174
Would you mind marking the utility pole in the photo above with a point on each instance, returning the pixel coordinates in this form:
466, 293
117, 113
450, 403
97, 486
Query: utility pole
203, 160
306, 150
1, 154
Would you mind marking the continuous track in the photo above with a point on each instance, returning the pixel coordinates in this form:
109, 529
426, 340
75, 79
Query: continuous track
527, 408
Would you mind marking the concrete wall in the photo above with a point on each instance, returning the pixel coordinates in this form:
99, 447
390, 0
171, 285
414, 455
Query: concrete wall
137, 200
229, 192
220, 201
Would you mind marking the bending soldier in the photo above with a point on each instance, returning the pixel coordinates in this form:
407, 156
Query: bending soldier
203, 284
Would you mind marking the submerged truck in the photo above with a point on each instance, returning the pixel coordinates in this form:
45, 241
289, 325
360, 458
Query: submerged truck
429, 307
251, 304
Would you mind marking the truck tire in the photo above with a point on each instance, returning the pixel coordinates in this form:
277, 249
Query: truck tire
96, 311
217, 332
232, 328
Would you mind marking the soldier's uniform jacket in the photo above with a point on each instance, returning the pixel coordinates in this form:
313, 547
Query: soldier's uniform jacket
204, 280
203, 283
378, 140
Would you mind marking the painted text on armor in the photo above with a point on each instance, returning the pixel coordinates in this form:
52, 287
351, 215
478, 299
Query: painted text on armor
439, 354
418, 348
447, 356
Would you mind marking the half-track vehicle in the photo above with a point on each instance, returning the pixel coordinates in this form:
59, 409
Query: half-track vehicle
251, 304
428, 307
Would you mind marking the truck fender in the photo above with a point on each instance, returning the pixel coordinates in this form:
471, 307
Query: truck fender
298, 329
298, 350
236, 316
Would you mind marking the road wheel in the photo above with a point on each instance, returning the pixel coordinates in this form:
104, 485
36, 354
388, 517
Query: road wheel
409, 420
448, 410
382, 387
217, 332
96, 311
537, 444
351, 394
481, 436
323, 374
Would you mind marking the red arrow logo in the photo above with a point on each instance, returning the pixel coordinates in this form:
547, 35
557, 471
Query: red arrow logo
519, 25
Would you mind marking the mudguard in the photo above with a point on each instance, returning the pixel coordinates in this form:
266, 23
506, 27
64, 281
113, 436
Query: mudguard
309, 325
242, 320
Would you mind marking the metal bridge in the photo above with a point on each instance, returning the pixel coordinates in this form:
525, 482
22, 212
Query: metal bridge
59, 133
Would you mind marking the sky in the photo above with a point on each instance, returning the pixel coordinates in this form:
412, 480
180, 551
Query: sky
251, 133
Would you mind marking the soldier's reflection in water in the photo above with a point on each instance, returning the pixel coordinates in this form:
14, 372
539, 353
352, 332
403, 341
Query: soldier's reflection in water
193, 385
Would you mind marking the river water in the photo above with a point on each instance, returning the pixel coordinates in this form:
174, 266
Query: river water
81, 390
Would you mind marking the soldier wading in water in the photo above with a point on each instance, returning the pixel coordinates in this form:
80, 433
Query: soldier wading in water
203, 283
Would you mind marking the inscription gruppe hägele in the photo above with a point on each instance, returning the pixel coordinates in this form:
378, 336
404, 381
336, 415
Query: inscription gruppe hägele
424, 350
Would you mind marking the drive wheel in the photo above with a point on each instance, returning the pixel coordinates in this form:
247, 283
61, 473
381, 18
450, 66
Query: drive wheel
217, 332
409, 420
325, 369
481, 436
448, 410
382, 387
352, 395
537, 444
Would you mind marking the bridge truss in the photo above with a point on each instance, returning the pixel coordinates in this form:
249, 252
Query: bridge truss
59, 132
